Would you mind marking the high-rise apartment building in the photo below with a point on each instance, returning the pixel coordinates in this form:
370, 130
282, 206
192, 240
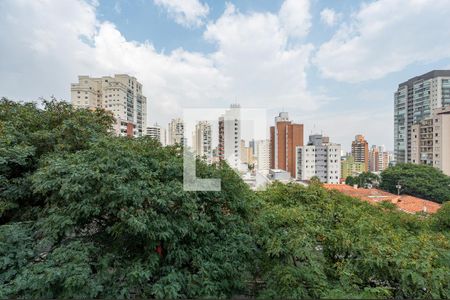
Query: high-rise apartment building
414, 101
157, 133
319, 158
230, 136
262, 151
285, 137
360, 151
175, 132
121, 95
202, 140
378, 159
430, 140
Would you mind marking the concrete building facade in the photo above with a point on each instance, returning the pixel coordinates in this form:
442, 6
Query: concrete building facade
285, 137
414, 101
121, 95
230, 137
202, 140
378, 159
157, 133
319, 158
262, 150
247, 156
430, 140
175, 132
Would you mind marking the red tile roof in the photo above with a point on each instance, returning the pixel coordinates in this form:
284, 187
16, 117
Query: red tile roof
406, 203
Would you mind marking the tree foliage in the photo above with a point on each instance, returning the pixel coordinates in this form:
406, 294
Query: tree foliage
27, 133
417, 180
85, 214
364, 180
323, 244
107, 217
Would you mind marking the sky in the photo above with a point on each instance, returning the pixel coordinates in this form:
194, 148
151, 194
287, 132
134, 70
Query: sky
332, 64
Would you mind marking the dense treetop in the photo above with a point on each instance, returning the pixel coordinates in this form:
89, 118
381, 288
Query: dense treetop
84, 214
365, 179
421, 181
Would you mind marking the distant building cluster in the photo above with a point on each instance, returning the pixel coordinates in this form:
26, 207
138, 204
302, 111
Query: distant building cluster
421, 133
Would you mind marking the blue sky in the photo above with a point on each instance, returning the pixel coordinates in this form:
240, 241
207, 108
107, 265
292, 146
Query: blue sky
333, 65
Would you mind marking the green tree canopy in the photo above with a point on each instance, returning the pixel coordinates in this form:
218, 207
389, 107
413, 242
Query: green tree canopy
417, 180
85, 214
323, 244
99, 216
364, 180
27, 133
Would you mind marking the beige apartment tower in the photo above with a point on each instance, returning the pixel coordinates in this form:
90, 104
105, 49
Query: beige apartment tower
121, 95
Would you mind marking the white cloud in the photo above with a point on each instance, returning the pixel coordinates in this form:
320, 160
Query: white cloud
385, 36
252, 51
329, 17
253, 63
171, 81
295, 17
188, 13
40, 53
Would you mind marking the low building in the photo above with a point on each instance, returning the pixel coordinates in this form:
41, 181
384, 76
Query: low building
280, 175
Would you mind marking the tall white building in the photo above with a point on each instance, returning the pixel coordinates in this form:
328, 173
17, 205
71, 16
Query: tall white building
319, 158
157, 133
262, 152
175, 132
230, 136
121, 95
202, 140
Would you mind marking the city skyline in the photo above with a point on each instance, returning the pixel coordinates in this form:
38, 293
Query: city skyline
327, 66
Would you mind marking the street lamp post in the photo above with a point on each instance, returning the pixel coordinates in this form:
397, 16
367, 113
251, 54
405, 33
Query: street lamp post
399, 187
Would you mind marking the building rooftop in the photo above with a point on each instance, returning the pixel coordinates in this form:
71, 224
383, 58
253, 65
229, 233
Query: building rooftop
405, 203
431, 74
